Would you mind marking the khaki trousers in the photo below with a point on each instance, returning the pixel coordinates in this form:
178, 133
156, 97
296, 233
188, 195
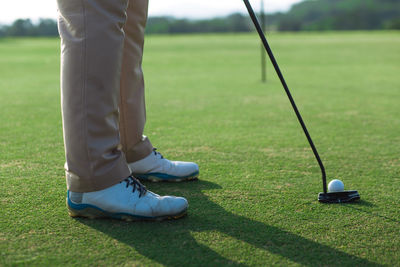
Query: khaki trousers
102, 90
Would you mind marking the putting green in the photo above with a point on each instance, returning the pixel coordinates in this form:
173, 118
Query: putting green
256, 200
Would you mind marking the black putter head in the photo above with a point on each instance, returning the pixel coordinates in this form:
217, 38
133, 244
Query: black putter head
339, 197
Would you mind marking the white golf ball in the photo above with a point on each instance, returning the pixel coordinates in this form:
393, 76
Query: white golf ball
335, 186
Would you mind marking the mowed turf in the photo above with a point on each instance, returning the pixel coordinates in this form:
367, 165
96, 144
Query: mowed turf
256, 201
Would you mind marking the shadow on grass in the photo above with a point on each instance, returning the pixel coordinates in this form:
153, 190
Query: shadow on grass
172, 244
363, 203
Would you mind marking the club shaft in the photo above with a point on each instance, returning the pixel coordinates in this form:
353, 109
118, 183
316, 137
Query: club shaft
279, 73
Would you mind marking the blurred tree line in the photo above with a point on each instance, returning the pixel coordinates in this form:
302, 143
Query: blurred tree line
25, 27
309, 15
321, 15
232, 23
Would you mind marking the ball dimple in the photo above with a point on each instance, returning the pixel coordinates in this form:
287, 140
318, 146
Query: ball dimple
335, 186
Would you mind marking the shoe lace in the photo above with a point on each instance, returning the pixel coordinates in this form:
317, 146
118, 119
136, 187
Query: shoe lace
136, 185
157, 153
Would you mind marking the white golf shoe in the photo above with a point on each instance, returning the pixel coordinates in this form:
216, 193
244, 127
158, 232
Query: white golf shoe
156, 168
128, 200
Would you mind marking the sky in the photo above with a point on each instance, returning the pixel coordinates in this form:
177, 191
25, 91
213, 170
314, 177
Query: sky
11, 10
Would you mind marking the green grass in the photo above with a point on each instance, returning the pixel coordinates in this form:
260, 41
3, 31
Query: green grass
255, 203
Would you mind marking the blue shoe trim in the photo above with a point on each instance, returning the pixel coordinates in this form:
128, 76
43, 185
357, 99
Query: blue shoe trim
163, 176
106, 213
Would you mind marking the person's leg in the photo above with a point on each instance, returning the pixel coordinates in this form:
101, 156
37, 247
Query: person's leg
92, 42
98, 177
132, 100
145, 162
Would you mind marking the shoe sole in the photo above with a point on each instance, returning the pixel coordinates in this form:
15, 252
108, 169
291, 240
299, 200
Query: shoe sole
93, 212
162, 177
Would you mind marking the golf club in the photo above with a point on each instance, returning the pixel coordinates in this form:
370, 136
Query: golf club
324, 197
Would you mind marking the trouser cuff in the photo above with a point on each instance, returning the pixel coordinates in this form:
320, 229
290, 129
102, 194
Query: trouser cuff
118, 173
139, 151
